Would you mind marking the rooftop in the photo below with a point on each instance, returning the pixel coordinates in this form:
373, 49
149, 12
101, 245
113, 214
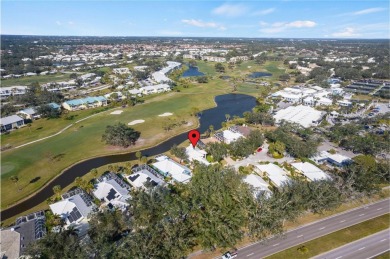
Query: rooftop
310, 171
275, 173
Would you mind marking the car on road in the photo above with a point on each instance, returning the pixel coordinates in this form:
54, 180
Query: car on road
259, 149
229, 255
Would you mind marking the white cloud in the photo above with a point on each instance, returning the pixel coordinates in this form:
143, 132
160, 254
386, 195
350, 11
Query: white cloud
282, 26
71, 23
58, 23
264, 12
368, 11
346, 33
201, 24
230, 10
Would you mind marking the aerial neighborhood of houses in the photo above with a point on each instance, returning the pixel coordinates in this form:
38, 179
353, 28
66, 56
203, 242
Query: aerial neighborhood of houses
308, 106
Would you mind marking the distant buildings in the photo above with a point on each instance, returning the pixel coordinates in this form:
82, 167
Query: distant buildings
6, 92
85, 103
214, 59
196, 154
154, 89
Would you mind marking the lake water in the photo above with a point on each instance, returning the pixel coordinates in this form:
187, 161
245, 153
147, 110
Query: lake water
233, 104
259, 74
192, 71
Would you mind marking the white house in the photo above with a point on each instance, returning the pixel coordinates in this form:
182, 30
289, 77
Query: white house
228, 136
257, 184
334, 159
276, 174
169, 168
153, 89
121, 70
75, 209
112, 190
29, 113
303, 115
310, 171
344, 103
144, 177
6, 92
194, 153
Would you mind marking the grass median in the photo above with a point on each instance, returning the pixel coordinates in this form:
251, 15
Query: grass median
335, 239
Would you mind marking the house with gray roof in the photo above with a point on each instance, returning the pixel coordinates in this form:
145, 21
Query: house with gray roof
27, 229
11, 122
112, 191
75, 209
29, 113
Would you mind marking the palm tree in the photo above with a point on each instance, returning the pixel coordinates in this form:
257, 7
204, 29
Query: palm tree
211, 129
94, 172
15, 179
57, 190
138, 155
227, 116
78, 181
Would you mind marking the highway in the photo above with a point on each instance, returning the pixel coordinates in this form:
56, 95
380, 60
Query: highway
314, 230
364, 248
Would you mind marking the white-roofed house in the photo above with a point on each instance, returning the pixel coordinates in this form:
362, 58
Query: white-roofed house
310, 171
228, 136
153, 89
303, 115
169, 168
275, 174
75, 209
112, 190
11, 122
194, 153
257, 184
145, 177
333, 159
29, 113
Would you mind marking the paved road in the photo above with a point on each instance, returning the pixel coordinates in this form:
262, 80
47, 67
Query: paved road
314, 230
367, 247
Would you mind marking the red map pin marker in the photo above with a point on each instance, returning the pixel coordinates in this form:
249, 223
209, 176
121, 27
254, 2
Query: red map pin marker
194, 137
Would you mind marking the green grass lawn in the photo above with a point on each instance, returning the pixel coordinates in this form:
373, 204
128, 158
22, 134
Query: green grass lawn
27, 80
336, 239
83, 140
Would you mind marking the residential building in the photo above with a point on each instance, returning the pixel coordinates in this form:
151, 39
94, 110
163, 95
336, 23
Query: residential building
29, 114
238, 58
344, 103
310, 171
6, 92
153, 89
302, 115
75, 209
121, 70
112, 191
228, 136
169, 168
135, 92
145, 177
214, 59
85, 103
196, 154
11, 122
274, 173
55, 106
333, 159
257, 184
27, 229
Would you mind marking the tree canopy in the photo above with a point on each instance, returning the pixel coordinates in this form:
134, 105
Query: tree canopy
120, 135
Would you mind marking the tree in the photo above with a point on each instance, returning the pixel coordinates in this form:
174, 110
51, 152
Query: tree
277, 147
284, 77
202, 79
94, 172
73, 76
192, 63
300, 78
138, 155
78, 181
227, 116
179, 152
120, 135
8, 109
144, 159
217, 150
211, 130
15, 180
29, 127
57, 191
220, 68
48, 112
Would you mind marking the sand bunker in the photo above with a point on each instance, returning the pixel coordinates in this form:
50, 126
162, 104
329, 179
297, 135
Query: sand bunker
116, 112
165, 114
136, 122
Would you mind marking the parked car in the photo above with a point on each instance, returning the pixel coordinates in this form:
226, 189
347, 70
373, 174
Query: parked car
259, 149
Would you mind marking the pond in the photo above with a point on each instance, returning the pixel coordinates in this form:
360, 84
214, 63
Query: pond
259, 74
192, 71
233, 104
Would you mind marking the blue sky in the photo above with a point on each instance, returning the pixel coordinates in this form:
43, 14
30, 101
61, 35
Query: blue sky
257, 19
